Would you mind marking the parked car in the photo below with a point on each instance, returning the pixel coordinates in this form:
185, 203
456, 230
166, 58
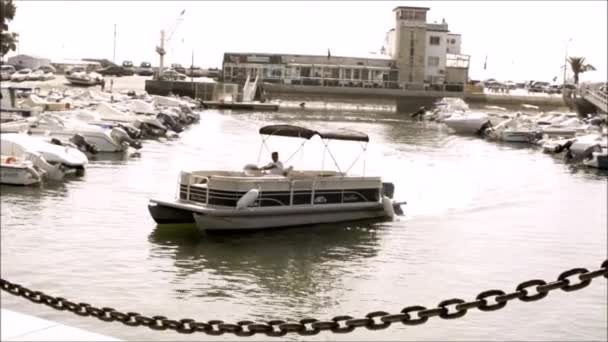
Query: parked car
20, 75
6, 71
116, 70
553, 89
538, 87
37, 75
173, 75
129, 66
179, 68
195, 71
48, 68
145, 69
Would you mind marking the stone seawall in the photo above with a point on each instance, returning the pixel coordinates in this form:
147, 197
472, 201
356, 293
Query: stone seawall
405, 100
201, 90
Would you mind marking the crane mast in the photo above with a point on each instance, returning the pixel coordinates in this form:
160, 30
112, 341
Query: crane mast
165, 38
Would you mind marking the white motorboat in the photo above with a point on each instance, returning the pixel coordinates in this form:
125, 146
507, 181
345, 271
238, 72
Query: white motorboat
84, 79
468, 122
15, 170
64, 129
515, 129
107, 112
253, 200
554, 146
67, 160
599, 160
584, 146
520, 135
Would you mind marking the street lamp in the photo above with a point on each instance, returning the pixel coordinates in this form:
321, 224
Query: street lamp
566, 60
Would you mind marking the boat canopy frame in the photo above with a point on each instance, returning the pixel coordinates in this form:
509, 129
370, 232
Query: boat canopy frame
325, 135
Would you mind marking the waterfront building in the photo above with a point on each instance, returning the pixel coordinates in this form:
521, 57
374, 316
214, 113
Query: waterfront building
378, 72
425, 52
415, 55
28, 61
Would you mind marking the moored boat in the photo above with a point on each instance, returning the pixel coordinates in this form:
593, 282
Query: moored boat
253, 199
15, 170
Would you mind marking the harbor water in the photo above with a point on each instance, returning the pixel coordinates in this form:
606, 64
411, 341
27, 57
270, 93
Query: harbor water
479, 216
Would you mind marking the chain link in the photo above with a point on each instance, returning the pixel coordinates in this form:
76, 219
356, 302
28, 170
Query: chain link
571, 280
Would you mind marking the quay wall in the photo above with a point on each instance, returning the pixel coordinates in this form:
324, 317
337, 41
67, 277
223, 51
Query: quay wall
405, 100
200, 90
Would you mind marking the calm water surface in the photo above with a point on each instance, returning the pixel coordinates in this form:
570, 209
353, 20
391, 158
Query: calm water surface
479, 216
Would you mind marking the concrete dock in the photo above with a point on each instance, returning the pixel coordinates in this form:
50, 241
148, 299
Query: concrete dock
15, 326
409, 99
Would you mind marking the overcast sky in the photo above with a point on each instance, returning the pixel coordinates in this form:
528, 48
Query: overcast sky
522, 39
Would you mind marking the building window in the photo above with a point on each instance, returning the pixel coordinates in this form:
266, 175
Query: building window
435, 40
433, 61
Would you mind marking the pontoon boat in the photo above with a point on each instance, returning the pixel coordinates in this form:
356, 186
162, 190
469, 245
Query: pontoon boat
252, 199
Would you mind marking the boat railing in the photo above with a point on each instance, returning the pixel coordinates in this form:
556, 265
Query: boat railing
196, 179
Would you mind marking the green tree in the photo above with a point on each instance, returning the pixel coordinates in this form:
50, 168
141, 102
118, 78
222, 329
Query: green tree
578, 66
8, 40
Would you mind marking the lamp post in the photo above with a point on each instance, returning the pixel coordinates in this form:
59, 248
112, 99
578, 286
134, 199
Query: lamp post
566, 60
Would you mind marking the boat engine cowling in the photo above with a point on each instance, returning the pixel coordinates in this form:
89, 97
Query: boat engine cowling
169, 122
121, 136
82, 144
132, 131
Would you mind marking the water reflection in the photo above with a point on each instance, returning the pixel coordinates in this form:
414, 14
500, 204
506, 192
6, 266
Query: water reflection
13, 193
113, 158
289, 265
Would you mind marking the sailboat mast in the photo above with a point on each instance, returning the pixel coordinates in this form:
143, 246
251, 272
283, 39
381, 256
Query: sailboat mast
114, 53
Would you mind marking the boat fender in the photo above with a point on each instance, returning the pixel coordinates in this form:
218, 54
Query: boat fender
247, 199
11, 160
388, 207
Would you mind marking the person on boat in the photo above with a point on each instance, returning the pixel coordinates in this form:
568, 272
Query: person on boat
275, 166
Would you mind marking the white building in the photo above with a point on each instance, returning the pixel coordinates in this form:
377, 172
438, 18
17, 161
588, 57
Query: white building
28, 61
435, 52
453, 43
388, 47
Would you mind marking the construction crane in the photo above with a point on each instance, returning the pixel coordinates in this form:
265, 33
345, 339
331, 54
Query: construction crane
165, 38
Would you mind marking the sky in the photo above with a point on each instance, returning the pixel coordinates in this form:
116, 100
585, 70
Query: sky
523, 40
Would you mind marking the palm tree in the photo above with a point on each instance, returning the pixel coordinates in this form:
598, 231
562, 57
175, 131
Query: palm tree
578, 66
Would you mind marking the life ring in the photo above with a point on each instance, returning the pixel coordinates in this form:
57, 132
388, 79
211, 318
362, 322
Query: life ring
11, 160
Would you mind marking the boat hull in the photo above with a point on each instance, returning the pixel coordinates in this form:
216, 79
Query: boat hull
231, 219
165, 214
19, 175
466, 124
259, 220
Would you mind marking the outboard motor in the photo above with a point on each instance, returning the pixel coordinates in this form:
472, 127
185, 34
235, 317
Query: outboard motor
168, 121
596, 121
151, 128
80, 142
419, 113
132, 131
123, 138
56, 141
483, 128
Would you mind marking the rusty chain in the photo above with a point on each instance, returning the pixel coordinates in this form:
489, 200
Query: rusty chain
527, 291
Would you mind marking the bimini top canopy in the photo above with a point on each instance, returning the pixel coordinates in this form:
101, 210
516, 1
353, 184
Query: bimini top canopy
305, 133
